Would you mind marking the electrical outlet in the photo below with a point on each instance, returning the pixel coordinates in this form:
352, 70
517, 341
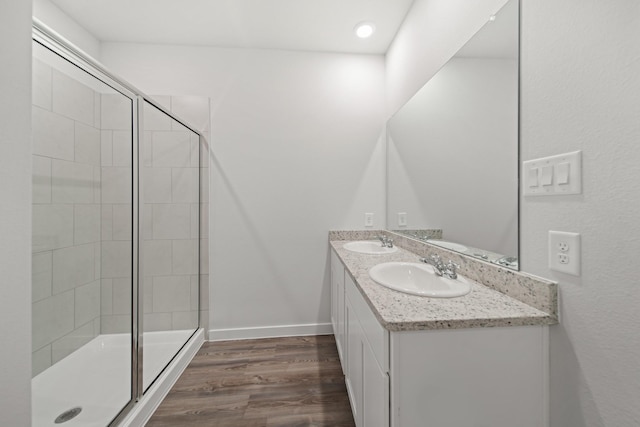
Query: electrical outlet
564, 252
368, 220
402, 219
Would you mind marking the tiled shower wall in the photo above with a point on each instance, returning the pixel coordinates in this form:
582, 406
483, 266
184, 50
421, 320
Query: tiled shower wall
82, 216
169, 223
66, 215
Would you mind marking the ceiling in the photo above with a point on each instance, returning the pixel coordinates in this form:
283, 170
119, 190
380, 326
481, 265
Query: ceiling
306, 25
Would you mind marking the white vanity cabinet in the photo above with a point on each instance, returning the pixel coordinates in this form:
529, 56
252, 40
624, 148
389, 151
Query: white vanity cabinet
367, 370
473, 377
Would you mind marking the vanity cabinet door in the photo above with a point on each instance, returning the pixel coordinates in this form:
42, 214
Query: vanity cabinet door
375, 386
355, 368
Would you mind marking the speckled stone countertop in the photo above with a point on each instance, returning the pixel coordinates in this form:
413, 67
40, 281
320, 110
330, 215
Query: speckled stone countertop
397, 311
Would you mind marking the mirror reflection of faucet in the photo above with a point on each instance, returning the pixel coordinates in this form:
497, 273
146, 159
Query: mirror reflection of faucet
386, 242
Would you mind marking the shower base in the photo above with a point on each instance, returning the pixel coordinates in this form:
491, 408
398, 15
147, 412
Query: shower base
97, 378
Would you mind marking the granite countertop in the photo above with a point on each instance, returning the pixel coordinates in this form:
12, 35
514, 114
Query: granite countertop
397, 311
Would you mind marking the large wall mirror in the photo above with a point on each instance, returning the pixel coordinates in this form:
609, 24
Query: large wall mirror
452, 153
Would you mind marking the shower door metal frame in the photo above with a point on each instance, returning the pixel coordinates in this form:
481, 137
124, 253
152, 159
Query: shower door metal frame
51, 40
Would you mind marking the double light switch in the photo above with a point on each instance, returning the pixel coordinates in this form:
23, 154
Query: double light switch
561, 174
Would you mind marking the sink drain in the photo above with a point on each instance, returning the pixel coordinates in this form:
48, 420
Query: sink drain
68, 415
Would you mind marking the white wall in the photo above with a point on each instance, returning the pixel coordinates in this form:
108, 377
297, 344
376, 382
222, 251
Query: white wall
296, 151
51, 15
432, 32
15, 212
580, 68
581, 91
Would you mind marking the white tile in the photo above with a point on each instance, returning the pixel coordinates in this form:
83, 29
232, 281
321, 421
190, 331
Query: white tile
184, 185
171, 221
97, 110
72, 98
204, 220
147, 221
97, 329
41, 272
147, 302
106, 148
157, 258
184, 320
40, 360
52, 227
71, 182
171, 149
71, 342
195, 220
195, 292
52, 134
154, 322
204, 292
72, 267
194, 148
97, 184
204, 256
87, 304
156, 185
185, 256
122, 148
52, 318
116, 112
116, 259
115, 324
106, 222
204, 185
116, 185
193, 109
122, 289
41, 87
155, 119
86, 224
87, 144
147, 150
97, 260
205, 151
122, 217
171, 293
106, 296
41, 179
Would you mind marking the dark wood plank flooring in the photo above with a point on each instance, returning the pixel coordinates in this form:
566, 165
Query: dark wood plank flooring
284, 382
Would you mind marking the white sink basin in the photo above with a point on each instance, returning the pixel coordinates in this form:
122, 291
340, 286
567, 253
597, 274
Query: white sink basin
369, 247
449, 245
418, 279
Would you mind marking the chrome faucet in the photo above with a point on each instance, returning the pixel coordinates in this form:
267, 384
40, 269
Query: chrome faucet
386, 242
450, 269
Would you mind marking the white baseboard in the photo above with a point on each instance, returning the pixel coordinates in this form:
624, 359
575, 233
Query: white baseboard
270, 332
144, 409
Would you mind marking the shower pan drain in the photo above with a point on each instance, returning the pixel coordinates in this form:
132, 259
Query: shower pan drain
68, 415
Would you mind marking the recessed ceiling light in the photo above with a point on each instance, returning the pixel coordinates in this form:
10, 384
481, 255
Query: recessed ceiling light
364, 29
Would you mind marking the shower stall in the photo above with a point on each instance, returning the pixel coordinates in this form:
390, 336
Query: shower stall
119, 224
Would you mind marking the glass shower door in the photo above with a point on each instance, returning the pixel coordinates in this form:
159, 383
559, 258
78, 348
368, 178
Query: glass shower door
83, 237
170, 239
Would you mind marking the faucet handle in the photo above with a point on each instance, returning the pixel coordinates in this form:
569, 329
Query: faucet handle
452, 269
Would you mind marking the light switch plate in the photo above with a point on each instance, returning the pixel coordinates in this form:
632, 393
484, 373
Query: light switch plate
554, 175
564, 252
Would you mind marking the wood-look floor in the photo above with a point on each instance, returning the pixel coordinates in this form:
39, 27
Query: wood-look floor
284, 382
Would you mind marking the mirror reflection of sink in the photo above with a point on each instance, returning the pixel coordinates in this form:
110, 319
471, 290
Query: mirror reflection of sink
449, 245
369, 247
418, 279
